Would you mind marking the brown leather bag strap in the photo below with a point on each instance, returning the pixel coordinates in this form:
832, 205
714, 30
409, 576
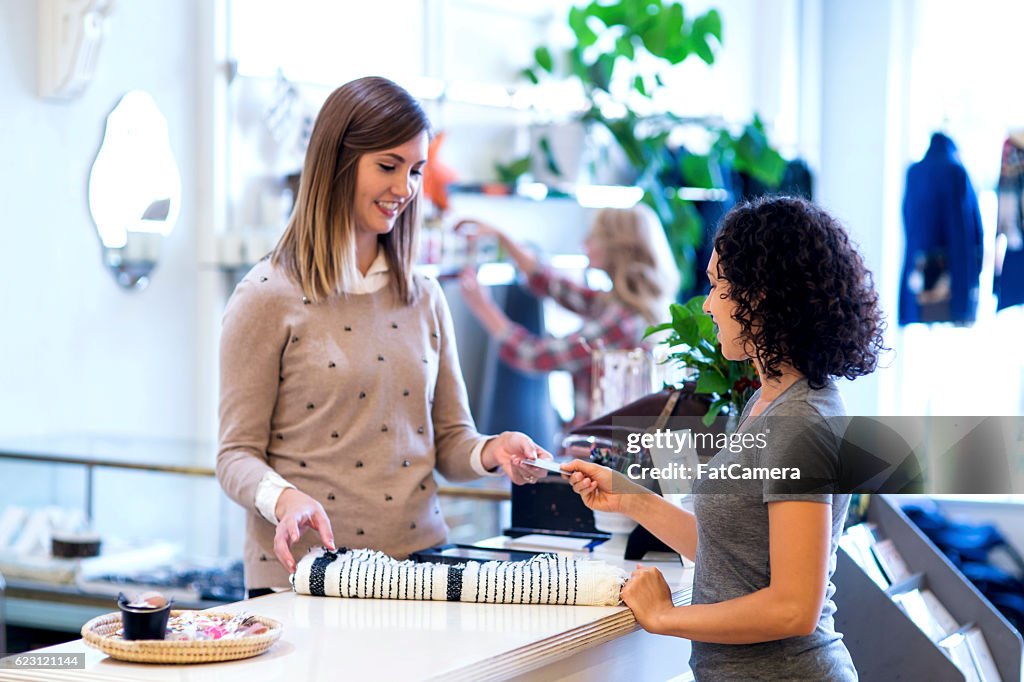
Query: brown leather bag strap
666, 412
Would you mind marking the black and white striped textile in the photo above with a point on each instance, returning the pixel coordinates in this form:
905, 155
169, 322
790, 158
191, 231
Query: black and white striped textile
545, 579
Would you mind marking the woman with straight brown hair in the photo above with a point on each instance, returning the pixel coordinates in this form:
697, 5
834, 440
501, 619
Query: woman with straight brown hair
341, 391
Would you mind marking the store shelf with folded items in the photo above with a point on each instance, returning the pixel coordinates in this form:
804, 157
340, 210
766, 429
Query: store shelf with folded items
906, 612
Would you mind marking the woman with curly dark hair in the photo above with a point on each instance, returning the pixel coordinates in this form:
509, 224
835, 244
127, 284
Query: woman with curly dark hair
791, 293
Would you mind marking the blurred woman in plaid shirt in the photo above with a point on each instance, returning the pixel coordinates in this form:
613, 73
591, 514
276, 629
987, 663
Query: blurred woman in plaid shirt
628, 244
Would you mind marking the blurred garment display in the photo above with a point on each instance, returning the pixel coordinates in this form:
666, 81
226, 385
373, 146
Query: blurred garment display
982, 553
942, 226
710, 210
1009, 275
797, 181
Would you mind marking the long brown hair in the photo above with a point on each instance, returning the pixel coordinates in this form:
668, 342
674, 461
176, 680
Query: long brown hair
318, 247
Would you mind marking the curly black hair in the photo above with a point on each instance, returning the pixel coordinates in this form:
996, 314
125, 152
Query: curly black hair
803, 294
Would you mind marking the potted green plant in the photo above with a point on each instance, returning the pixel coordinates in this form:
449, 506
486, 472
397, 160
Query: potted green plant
633, 42
692, 344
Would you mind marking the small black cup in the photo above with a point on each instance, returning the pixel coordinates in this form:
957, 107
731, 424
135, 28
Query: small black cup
140, 623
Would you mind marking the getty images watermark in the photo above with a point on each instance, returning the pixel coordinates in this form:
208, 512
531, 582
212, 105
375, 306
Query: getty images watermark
689, 469
812, 454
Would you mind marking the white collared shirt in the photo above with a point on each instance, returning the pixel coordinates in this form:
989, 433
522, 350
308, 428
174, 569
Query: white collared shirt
273, 484
375, 279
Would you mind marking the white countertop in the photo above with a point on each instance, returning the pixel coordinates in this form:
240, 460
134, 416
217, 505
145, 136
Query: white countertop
333, 638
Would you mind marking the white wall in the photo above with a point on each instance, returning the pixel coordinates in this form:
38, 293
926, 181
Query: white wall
860, 177
81, 354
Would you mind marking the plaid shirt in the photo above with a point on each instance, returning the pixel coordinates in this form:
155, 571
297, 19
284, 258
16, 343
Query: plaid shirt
607, 324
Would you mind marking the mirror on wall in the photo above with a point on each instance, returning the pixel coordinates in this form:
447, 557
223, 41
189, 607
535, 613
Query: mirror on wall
134, 189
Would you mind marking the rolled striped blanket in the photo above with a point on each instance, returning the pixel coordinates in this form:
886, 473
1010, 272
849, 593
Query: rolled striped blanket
545, 579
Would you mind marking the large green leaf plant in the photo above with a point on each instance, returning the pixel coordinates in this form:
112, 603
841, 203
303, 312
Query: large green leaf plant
634, 42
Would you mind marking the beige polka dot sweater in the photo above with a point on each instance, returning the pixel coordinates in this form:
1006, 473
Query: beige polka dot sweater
355, 400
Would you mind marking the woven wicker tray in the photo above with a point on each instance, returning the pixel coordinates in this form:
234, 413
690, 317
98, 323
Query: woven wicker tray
98, 633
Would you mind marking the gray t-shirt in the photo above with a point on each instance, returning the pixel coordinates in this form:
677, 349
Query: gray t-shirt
732, 559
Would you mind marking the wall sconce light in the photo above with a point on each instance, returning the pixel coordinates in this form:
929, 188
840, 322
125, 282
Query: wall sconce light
70, 33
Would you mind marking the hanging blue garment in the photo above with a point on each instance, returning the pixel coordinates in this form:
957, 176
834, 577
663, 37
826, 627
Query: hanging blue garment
942, 262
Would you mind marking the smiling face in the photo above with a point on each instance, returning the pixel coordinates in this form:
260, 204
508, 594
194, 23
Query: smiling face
721, 307
387, 181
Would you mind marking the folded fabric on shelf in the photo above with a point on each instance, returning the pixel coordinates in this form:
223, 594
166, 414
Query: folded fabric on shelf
546, 579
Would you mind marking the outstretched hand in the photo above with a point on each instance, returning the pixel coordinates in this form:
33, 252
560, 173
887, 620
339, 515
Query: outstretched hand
509, 450
474, 229
297, 511
600, 487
